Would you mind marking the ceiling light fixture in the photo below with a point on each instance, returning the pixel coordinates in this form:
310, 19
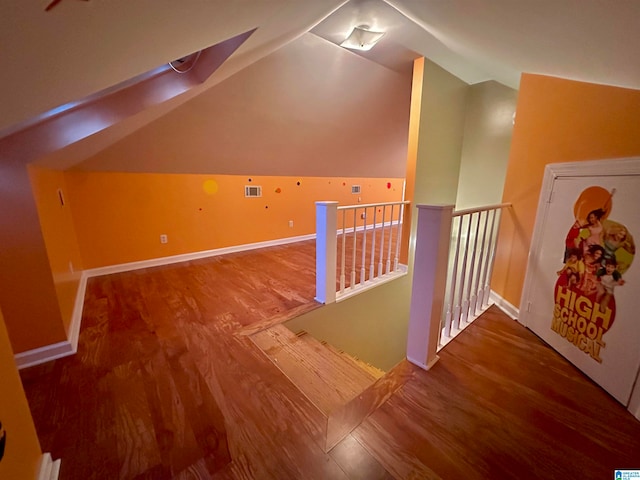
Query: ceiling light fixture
361, 38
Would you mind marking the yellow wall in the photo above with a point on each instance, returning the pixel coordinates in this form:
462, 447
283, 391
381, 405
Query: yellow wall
371, 326
442, 117
22, 449
487, 142
119, 217
557, 121
435, 138
59, 236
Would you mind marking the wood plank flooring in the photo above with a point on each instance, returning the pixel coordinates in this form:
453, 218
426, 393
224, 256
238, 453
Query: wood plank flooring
164, 385
327, 379
501, 404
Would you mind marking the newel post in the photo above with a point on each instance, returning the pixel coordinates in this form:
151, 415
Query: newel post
429, 282
326, 245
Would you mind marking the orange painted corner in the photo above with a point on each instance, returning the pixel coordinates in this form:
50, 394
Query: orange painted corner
557, 121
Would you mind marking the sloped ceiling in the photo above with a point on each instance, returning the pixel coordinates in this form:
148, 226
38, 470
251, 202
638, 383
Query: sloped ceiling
309, 109
79, 48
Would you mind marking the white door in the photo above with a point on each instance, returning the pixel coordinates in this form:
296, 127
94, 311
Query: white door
582, 292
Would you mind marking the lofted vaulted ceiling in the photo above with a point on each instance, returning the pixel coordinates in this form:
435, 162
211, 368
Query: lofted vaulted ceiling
79, 48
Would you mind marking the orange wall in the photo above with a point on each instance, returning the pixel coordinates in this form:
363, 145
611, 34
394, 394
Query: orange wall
27, 294
556, 121
22, 450
412, 149
59, 236
119, 217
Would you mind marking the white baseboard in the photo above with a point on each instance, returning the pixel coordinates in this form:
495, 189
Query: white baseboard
76, 317
49, 469
68, 347
185, 257
503, 305
34, 357
43, 354
47, 353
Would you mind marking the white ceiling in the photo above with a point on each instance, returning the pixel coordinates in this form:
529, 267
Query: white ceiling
477, 40
79, 48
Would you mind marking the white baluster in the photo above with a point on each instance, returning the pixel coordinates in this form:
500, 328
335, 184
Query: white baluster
384, 208
471, 296
464, 302
450, 303
364, 248
493, 253
398, 238
344, 254
389, 243
373, 246
353, 254
479, 286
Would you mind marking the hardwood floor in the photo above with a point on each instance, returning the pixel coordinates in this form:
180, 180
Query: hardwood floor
501, 404
167, 383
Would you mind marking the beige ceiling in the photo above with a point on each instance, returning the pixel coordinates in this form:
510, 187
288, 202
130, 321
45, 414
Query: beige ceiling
79, 48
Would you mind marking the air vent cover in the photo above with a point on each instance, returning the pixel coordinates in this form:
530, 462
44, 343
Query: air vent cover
252, 191
355, 189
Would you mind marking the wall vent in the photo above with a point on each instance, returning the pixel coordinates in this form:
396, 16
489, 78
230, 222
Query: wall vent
355, 189
252, 191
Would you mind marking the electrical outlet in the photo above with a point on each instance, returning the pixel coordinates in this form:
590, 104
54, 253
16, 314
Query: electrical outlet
163, 238
290, 223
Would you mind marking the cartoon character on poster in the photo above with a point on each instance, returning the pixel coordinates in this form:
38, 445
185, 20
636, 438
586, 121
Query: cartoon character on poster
598, 252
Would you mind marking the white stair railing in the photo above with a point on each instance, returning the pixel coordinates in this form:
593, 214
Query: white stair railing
365, 237
451, 275
474, 234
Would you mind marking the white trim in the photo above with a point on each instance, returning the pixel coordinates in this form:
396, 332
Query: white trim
156, 262
68, 347
76, 317
185, 257
591, 168
634, 400
423, 365
503, 305
369, 284
62, 349
43, 354
49, 469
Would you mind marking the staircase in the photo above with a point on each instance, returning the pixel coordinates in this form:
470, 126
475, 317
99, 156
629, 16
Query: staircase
344, 389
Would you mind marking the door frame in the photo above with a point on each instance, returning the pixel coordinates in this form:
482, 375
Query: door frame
552, 172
